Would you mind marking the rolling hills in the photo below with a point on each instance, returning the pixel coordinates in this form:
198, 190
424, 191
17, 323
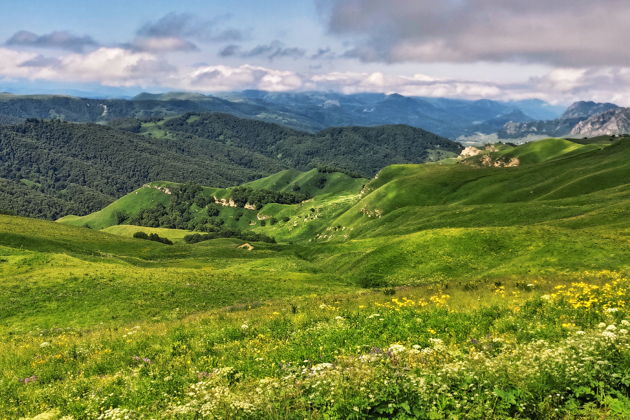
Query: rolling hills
446, 287
79, 168
574, 193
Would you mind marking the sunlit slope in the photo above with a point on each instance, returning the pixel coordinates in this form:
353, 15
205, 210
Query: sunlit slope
175, 235
312, 183
57, 276
131, 204
542, 150
474, 254
407, 198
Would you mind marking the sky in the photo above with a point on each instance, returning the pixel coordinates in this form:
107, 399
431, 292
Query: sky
555, 50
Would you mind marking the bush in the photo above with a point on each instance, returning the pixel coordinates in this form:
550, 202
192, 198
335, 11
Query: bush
152, 237
140, 235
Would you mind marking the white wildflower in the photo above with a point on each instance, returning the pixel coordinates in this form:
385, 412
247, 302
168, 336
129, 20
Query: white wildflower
397, 348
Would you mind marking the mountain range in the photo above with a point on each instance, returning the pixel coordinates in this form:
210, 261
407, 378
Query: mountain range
581, 119
307, 111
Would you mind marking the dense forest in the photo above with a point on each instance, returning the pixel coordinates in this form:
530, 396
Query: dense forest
359, 150
80, 168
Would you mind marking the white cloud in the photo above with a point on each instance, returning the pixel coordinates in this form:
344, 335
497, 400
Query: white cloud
124, 67
108, 66
221, 78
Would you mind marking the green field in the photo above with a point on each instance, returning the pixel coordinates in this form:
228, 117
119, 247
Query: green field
444, 290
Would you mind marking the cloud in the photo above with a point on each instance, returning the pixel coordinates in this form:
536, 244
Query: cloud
570, 33
225, 78
107, 66
163, 44
185, 25
58, 40
124, 67
323, 54
415, 85
174, 32
275, 49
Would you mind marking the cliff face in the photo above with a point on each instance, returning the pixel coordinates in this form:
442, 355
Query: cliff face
614, 121
565, 125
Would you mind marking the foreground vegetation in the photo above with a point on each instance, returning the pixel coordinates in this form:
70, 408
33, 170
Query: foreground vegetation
546, 349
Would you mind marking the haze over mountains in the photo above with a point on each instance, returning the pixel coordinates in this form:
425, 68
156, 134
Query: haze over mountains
310, 111
479, 120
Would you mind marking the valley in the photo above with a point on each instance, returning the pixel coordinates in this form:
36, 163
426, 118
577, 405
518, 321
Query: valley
419, 289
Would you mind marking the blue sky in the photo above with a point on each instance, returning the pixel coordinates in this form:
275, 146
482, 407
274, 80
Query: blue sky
559, 50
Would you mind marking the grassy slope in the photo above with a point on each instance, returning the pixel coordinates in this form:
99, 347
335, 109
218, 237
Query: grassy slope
462, 196
489, 222
175, 235
55, 275
130, 204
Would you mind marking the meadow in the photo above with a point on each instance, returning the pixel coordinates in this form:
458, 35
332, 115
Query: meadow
444, 290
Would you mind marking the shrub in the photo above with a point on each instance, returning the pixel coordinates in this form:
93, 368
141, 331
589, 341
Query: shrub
152, 237
140, 235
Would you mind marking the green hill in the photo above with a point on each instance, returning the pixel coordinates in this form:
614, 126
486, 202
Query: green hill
567, 195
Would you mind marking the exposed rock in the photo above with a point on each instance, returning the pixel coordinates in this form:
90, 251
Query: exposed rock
612, 122
165, 190
560, 127
469, 151
585, 109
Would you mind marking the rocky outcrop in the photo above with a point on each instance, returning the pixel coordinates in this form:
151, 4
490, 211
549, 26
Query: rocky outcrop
469, 151
231, 203
563, 126
612, 122
165, 190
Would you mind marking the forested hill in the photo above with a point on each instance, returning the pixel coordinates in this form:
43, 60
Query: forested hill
363, 150
52, 168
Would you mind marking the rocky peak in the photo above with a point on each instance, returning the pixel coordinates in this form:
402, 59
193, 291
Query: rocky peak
585, 109
611, 122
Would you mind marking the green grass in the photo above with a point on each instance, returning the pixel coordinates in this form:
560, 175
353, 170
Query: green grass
129, 205
428, 352
500, 278
175, 235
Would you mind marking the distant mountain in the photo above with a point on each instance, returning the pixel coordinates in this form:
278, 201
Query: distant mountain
585, 109
447, 117
53, 168
307, 111
612, 122
562, 126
